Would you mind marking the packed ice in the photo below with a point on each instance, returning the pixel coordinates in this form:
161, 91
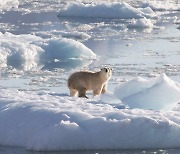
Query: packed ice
161, 5
102, 10
8, 4
161, 93
141, 23
47, 121
27, 51
141, 109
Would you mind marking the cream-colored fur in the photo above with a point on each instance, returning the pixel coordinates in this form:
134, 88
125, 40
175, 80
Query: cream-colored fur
83, 81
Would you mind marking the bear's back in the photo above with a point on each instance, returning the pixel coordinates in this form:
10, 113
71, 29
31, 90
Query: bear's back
83, 78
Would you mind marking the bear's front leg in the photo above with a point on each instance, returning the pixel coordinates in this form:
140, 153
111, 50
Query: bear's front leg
104, 89
97, 91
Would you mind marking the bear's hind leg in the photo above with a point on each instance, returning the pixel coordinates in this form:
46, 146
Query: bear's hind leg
73, 92
97, 91
82, 92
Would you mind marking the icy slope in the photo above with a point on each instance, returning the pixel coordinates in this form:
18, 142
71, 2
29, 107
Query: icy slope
103, 10
26, 51
50, 121
161, 93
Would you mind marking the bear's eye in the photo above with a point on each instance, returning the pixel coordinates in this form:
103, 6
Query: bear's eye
106, 70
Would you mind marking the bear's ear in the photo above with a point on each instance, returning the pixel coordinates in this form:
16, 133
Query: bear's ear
104, 69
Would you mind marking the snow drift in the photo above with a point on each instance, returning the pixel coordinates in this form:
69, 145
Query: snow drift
161, 93
50, 121
27, 51
102, 10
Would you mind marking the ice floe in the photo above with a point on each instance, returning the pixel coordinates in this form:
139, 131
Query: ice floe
46, 121
66, 49
27, 51
8, 4
141, 23
103, 10
76, 35
161, 5
19, 50
160, 93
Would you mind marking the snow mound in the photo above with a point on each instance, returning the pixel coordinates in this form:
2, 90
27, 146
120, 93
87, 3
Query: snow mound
8, 4
161, 93
109, 98
67, 49
102, 10
141, 23
28, 51
50, 121
19, 50
161, 5
148, 11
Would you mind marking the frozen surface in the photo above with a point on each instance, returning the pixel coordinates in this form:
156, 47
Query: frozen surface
8, 4
43, 42
28, 51
102, 10
159, 94
162, 5
52, 121
141, 23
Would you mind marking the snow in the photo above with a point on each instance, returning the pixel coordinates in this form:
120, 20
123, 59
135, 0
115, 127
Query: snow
148, 11
76, 35
67, 49
161, 93
138, 114
161, 5
47, 121
141, 17
103, 10
81, 36
141, 23
27, 51
8, 4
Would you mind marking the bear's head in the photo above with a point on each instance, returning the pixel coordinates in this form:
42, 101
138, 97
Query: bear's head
106, 73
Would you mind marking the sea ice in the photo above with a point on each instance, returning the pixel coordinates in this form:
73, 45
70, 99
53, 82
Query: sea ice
50, 121
141, 23
82, 36
161, 93
76, 35
26, 51
161, 5
66, 49
8, 4
102, 10
46, 121
19, 50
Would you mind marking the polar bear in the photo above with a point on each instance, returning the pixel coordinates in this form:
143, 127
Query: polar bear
80, 82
